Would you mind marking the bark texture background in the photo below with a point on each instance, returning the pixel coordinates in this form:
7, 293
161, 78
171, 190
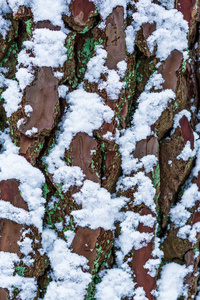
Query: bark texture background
155, 189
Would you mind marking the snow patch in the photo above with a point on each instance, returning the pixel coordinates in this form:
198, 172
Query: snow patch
98, 208
68, 176
69, 279
105, 7
116, 284
171, 29
82, 116
187, 152
14, 166
28, 286
47, 47
95, 68
171, 284
4, 24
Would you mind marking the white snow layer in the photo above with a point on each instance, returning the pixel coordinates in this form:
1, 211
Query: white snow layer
4, 24
31, 180
187, 152
68, 176
171, 284
145, 192
49, 10
47, 47
105, 7
171, 28
96, 66
169, 4
28, 286
69, 279
12, 96
178, 117
136, 239
98, 208
115, 284
82, 116
150, 108
180, 213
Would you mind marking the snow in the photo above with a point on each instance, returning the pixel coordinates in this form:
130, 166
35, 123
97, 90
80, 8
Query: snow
171, 284
49, 51
28, 109
116, 284
178, 117
98, 208
140, 294
24, 77
86, 113
31, 131
105, 7
25, 245
196, 169
122, 66
108, 136
12, 97
136, 239
4, 24
180, 213
187, 152
130, 38
169, 4
150, 107
62, 90
82, 116
68, 176
14, 4
13, 166
95, 68
171, 28
95, 65
69, 279
50, 10
152, 265
189, 232
112, 85
28, 286
47, 47
145, 192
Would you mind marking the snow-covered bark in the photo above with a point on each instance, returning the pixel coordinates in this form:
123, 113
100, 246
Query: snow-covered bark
99, 161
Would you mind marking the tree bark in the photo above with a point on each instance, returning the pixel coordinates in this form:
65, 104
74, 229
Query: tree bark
99, 162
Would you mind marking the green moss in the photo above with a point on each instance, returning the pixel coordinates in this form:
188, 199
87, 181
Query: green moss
70, 45
29, 25
20, 270
196, 249
38, 148
91, 288
11, 53
48, 216
86, 28
45, 190
86, 52
50, 213
156, 176
59, 193
70, 227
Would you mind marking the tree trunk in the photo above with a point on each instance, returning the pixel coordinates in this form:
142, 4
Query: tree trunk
100, 149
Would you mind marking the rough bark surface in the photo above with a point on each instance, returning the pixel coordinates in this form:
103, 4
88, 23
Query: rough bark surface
47, 155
